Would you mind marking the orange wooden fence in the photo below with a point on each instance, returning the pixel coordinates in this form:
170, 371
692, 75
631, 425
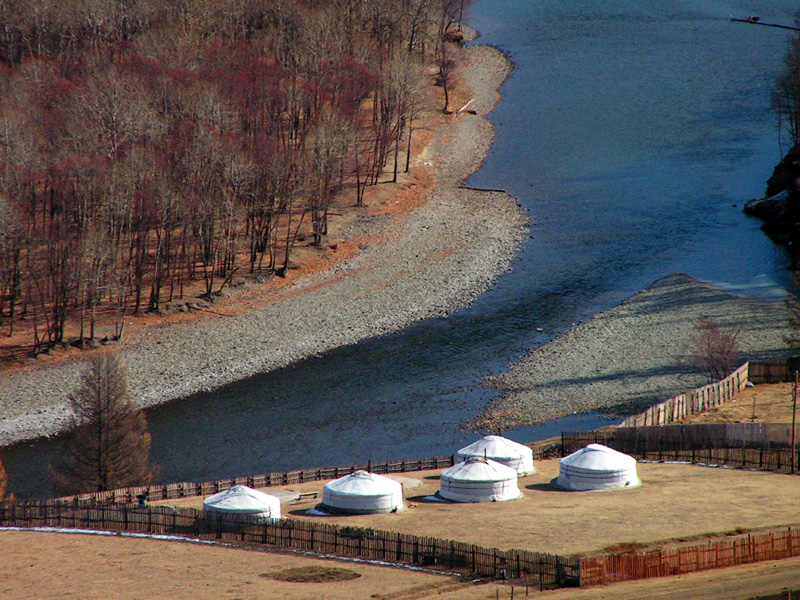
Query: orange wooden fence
739, 550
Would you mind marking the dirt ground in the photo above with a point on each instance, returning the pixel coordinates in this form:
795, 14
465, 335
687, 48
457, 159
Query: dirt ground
133, 568
765, 403
675, 502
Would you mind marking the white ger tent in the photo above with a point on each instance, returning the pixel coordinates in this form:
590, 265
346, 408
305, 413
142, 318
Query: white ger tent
362, 493
242, 500
502, 450
479, 479
597, 467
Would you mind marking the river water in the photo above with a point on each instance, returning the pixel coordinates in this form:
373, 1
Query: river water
631, 132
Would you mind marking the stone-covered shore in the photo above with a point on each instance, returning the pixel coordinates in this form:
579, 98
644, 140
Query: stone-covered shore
445, 254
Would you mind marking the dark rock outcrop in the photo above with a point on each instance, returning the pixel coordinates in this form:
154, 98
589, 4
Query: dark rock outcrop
780, 208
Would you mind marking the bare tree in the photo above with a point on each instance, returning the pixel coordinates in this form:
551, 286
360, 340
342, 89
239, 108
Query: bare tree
446, 66
111, 446
326, 165
786, 95
715, 352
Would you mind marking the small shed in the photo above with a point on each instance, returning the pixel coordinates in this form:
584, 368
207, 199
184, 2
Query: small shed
242, 500
499, 449
479, 479
362, 493
597, 467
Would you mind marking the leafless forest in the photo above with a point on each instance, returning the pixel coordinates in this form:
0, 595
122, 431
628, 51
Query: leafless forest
146, 146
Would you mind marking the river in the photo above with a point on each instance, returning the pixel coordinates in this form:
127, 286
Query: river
631, 132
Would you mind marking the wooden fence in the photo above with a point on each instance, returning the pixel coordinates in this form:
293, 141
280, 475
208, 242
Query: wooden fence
634, 440
775, 371
207, 488
698, 400
730, 552
765, 458
784, 595
172, 491
533, 568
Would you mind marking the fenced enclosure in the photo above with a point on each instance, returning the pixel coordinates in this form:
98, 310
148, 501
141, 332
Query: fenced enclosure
173, 491
532, 568
731, 552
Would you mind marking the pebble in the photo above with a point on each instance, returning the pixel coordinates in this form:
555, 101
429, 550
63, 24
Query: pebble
440, 259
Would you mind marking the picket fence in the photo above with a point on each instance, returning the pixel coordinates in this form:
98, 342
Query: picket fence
678, 407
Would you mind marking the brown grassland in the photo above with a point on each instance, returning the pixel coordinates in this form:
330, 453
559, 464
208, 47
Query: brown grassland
766, 403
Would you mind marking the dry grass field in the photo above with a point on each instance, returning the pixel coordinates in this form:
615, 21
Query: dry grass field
765, 403
675, 502
35, 565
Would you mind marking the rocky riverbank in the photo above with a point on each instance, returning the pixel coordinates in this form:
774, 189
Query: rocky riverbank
638, 353
440, 258
780, 207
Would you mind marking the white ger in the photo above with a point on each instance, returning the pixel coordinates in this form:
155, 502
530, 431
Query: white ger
242, 500
362, 493
597, 467
499, 449
479, 479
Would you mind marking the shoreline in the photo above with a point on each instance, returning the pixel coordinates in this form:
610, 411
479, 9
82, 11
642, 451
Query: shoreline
639, 353
436, 260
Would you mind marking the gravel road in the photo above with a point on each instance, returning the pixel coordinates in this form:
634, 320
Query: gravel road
445, 254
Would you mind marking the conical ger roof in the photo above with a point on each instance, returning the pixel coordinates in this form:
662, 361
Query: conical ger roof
362, 483
479, 469
241, 498
599, 458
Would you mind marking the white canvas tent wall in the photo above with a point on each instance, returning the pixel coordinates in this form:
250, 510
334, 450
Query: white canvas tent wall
499, 449
597, 467
242, 500
479, 479
363, 493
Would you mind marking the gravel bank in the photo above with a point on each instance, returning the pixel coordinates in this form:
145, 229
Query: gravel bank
638, 353
441, 258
